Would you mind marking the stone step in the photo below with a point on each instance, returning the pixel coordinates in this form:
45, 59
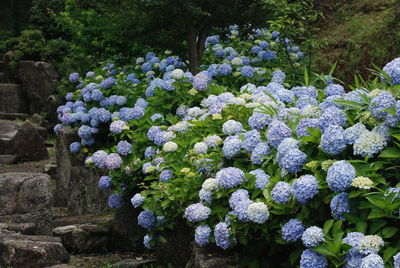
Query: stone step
13, 116
11, 98
8, 159
30, 251
83, 219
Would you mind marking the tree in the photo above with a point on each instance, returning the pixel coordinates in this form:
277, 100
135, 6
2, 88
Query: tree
191, 21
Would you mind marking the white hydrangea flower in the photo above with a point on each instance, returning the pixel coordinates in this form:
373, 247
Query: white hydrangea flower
362, 183
177, 74
170, 146
200, 148
209, 184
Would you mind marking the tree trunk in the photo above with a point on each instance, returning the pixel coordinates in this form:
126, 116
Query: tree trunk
196, 40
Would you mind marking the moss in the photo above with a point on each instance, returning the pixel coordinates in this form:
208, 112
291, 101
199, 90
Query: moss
355, 34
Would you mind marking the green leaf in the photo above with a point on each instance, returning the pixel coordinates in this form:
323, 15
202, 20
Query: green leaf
388, 253
328, 225
389, 231
162, 239
361, 227
390, 153
376, 213
324, 251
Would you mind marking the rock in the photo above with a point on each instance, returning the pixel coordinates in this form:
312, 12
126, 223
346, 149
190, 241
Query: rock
26, 198
126, 234
11, 99
84, 219
65, 161
61, 266
13, 116
59, 212
132, 263
178, 248
8, 159
84, 195
39, 81
51, 170
6, 61
81, 238
37, 119
28, 144
23, 228
22, 251
211, 257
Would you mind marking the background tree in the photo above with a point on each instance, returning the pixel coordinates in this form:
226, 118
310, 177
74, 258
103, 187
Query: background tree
191, 21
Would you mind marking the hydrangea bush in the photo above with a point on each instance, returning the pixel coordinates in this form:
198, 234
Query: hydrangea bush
246, 153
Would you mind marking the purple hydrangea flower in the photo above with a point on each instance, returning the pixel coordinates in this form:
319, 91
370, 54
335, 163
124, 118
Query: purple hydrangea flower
124, 148
74, 147
222, 235
114, 201
74, 77
105, 182
113, 161
166, 175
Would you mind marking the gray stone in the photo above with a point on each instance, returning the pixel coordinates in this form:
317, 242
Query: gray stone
59, 212
104, 220
39, 81
83, 238
11, 98
28, 144
132, 263
65, 161
26, 198
61, 266
6, 61
22, 251
2, 77
51, 170
8, 159
13, 116
127, 235
23, 228
211, 258
84, 196
22, 139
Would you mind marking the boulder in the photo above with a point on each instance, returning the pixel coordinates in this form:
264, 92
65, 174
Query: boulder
8, 159
39, 81
28, 144
127, 235
23, 140
84, 195
83, 238
6, 62
133, 263
26, 198
22, 251
23, 228
211, 257
12, 99
65, 161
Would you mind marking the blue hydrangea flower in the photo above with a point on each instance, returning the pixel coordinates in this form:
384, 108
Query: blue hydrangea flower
240, 210
152, 132
256, 50
149, 153
99, 159
114, 201
301, 129
232, 127
113, 161
380, 103
85, 132
369, 143
229, 177
312, 236
128, 114
258, 212
262, 178
292, 230
146, 67
286, 145
293, 160
231, 147
224, 69
303, 91
333, 140
205, 196
146, 219
277, 132
166, 175
259, 153
340, 205
281, 192
355, 95
305, 188
331, 101
105, 182
124, 148
237, 197
304, 101
117, 127
352, 133
340, 176
311, 259
108, 82
332, 116
222, 235
393, 70
334, 89
372, 261
197, 212
259, 121
396, 260
137, 200
204, 165
202, 235
200, 81
147, 241
74, 147
74, 77
278, 77
267, 55
247, 71
353, 259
